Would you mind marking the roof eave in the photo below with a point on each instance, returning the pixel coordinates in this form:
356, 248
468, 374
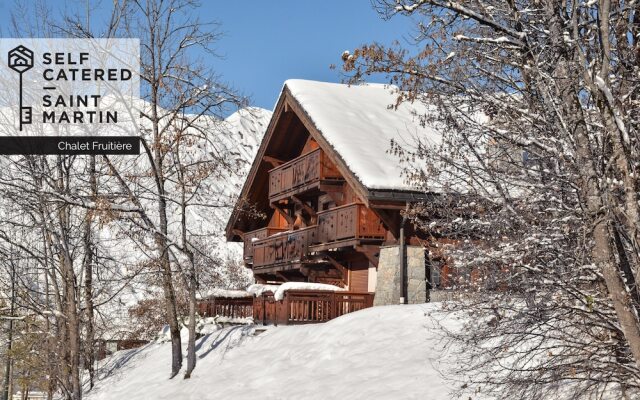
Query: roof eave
230, 235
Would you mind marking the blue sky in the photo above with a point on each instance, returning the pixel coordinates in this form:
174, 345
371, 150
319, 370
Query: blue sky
267, 42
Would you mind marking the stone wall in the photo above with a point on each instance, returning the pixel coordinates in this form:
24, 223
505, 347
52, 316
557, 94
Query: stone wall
416, 275
388, 279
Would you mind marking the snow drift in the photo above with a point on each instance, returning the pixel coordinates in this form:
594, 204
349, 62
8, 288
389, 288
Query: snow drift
392, 352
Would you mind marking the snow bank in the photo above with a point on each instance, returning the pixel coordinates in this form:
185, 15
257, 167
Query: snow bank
223, 293
392, 352
359, 122
257, 289
279, 293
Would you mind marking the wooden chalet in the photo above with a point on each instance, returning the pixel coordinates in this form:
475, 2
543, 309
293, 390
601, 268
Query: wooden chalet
323, 195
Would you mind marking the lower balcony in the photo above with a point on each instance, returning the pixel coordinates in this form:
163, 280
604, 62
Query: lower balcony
250, 237
347, 225
285, 247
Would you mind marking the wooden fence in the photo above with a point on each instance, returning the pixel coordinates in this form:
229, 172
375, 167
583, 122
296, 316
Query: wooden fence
297, 307
301, 306
226, 307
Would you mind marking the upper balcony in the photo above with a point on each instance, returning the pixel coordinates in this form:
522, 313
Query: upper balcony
303, 173
342, 226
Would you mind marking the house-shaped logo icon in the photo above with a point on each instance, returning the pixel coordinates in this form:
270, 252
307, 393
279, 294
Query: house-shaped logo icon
20, 59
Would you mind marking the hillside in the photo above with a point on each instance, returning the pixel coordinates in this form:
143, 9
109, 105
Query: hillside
391, 352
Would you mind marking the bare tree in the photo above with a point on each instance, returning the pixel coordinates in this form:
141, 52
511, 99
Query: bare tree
535, 180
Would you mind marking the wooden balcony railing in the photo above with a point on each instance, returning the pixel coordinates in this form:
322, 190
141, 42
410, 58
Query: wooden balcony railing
283, 247
249, 237
301, 173
304, 306
351, 221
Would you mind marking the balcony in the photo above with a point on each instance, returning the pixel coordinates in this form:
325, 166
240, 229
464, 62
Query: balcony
303, 173
284, 247
252, 236
351, 222
342, 226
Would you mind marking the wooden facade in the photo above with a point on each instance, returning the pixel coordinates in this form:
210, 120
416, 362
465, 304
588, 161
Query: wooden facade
303, 215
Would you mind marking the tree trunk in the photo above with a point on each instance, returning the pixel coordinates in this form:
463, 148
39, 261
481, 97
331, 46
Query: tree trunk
191, 347
88, 278
70, 297
604, 250
7, 366
165, 263
172, 315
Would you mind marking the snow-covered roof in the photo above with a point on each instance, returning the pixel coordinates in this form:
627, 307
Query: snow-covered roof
223, 293
257, 289
279, 293
359, 122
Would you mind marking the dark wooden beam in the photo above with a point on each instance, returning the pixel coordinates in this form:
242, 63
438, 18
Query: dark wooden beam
282, 276
273, 161
238, 232
388, 205
289, 218
304, 270
331, 188
312, 213
371, 252
390, 219
343, 270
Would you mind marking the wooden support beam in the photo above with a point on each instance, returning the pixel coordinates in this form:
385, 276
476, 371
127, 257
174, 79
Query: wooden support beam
273, 161
312, 213
343, 270
333, 189
289, 218
238, 232
391, 220
282, 276
388, 205
371, 252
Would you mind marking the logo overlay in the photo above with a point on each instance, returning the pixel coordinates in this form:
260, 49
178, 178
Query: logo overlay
70, 96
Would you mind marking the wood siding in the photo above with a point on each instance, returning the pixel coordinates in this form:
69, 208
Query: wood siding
359, 279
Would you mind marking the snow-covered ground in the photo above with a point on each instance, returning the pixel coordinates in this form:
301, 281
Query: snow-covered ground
392, 352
